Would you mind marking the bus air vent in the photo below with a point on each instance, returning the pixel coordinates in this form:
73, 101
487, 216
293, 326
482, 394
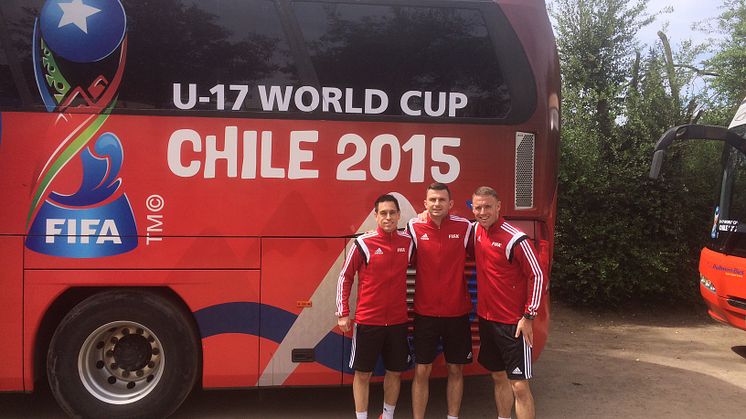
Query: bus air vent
737, 302
524, 170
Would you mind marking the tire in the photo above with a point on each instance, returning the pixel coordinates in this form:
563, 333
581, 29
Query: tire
123, 354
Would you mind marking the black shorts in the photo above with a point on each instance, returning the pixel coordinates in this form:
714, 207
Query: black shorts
390, 342
455, 333
501, 351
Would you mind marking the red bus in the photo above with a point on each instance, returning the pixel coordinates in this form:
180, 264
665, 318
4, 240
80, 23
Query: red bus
722, 263
181, 179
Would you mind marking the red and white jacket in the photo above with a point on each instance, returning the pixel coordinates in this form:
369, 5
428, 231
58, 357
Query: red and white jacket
380, 260
440, 287
509, 276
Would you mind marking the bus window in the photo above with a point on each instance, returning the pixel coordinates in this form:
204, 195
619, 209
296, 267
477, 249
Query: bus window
245, 38
8, 93
18, 18
391, 47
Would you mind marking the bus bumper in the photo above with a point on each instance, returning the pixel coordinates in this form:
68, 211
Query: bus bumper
723, 309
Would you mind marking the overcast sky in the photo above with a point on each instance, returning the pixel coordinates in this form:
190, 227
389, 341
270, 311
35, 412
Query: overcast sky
680, 21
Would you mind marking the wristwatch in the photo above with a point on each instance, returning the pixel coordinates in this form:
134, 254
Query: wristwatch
529, 316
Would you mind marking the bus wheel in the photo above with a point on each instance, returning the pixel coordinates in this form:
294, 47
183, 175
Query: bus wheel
125, 353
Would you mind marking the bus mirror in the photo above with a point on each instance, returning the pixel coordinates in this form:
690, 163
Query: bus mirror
655, 167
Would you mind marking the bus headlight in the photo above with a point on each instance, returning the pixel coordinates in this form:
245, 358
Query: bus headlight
707, 283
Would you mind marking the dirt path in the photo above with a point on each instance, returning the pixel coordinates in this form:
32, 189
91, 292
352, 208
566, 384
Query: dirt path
657, 365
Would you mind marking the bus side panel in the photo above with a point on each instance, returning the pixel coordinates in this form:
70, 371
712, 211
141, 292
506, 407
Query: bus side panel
299, 281
18, 159
41, 290
168, 253
11, 313
224, 303
226, 308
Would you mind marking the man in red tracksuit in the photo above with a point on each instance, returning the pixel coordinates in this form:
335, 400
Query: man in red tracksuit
509, 286
441, 299
380, 259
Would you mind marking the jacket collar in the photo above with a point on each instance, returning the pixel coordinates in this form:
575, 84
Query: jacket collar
445, 220
497, 226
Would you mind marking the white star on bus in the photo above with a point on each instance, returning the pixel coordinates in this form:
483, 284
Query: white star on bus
76, 13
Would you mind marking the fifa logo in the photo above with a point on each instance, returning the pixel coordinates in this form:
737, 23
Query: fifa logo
79, 52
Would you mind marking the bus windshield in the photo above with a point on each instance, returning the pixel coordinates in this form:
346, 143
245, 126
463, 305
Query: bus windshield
729, 226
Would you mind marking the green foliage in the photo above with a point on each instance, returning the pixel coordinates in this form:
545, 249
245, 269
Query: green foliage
729, 62
594, 38
620, 236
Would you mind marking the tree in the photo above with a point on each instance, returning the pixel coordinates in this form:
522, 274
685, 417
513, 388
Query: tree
728, 62
595, 38
621, 237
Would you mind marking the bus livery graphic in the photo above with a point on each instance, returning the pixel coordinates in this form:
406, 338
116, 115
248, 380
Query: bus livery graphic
257, 134
74, 45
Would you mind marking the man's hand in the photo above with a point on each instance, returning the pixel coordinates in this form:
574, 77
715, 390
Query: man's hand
526, 327
344, 323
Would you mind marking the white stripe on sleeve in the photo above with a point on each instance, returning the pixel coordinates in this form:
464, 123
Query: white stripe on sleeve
538, 277
341, 279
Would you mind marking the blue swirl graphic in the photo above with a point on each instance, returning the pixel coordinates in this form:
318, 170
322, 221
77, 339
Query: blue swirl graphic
100, 174
272, 323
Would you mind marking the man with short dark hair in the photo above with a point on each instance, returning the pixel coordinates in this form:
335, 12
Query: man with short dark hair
510, 282
441, 299
380, 259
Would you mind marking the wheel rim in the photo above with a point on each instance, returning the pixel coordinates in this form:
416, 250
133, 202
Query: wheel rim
121, 362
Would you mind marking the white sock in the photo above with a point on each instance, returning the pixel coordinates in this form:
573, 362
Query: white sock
500, 417
388, 411
451, 417
361, 415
